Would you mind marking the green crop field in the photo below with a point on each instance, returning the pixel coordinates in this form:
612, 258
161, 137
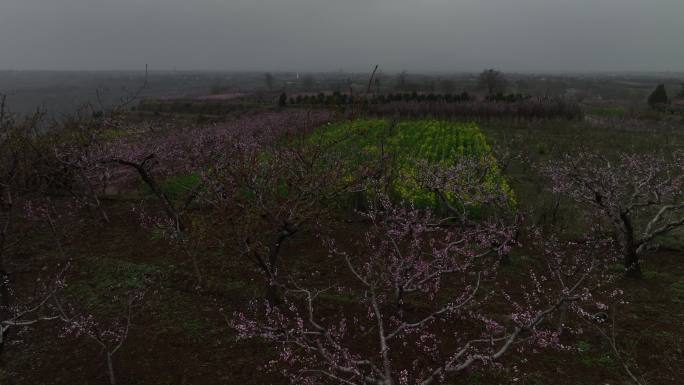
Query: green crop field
408, 144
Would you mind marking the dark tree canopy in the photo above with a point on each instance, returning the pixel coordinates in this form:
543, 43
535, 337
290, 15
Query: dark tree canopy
308, 82
658, 96
268, 78
492, 80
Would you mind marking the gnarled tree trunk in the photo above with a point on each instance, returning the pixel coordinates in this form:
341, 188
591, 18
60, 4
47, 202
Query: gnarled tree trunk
629, 248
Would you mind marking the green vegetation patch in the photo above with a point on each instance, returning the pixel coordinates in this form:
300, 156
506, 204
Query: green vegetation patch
608, 111
673, 240
407, 145
177, 315
589, 356
677, 289
106, 277
177, 186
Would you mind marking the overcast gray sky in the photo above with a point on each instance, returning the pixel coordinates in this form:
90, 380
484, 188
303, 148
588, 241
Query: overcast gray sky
328, 35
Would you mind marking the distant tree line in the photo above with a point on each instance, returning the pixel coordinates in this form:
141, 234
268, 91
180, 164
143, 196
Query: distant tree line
526, 108
338, 99
415, 105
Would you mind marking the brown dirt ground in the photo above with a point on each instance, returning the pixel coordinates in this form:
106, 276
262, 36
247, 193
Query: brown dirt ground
180, 337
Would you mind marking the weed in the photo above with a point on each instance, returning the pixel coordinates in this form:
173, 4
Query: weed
604, 360
583, 346
677, 289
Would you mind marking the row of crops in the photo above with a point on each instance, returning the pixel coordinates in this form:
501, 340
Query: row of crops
407, 147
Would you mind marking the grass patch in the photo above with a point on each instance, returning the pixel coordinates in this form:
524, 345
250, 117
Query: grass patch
608, 111
589, 356
673, 240
583, 346
223, 285
337, 298
604, 360
176, 187
176, 314
659, 277
108, 278
179, 185
677, 289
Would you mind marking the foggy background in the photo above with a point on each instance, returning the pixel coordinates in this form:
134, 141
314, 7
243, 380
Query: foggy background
329, 35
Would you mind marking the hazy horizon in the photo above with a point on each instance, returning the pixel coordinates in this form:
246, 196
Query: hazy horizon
369, 70
524, 36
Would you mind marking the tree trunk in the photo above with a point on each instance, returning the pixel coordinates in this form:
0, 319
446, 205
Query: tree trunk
562, 318
4, 301
169, 208
632, 266
272, 291
91, 193
4, 275
110, 369
629, 249
273, 294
